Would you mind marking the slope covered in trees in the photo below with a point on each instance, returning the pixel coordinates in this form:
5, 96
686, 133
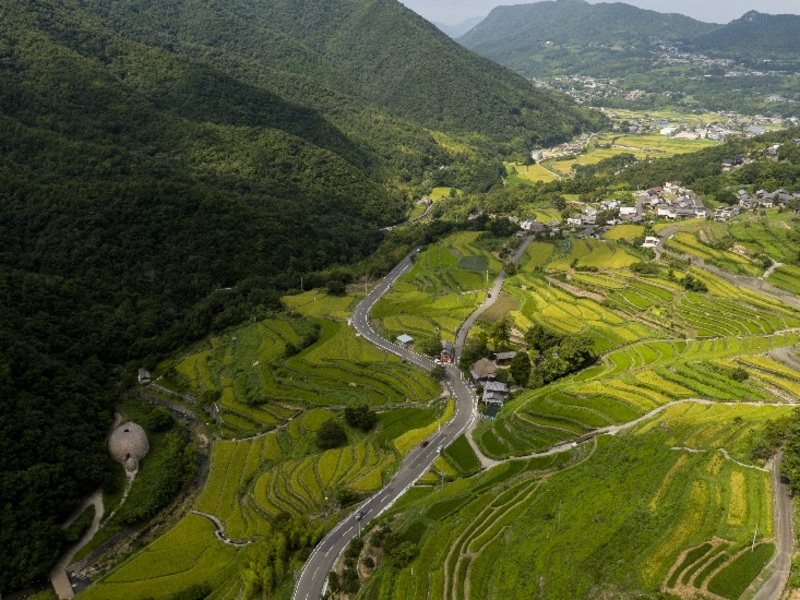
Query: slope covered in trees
755, 37
169, 168
521, 36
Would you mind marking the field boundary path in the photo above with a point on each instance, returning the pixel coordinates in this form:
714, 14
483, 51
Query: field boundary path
313, 578
58, 574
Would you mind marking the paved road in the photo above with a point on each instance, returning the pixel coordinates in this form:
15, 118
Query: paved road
494, 292
314, 575
781, 565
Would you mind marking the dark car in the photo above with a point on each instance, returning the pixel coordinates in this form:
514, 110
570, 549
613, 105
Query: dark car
424, 444
360, 515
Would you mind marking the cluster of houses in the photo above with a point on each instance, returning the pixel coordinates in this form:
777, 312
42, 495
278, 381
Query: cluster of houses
761, 199
483, 374
673, 202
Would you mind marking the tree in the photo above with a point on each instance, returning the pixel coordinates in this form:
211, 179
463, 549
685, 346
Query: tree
336, 287
431, 346
438, 372
521, 368
331, 435
360, 417
501, 333
540, 338
475, 348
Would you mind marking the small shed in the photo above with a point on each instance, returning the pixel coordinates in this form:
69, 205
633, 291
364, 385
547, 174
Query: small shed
406, 341
144, 376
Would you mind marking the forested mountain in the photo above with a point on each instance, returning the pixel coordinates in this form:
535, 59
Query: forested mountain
169, 168
456, 31
523, 35
755, 37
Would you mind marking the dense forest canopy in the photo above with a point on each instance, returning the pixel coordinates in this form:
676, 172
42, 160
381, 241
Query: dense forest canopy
170, 168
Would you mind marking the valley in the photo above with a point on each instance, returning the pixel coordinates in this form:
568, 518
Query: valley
394, 321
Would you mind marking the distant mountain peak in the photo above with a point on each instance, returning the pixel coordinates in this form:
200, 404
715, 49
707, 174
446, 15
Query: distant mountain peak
752, 16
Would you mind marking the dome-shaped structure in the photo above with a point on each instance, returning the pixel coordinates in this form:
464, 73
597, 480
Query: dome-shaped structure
128, 445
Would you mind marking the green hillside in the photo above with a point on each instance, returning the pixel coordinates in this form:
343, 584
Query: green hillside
755, 37
169, 169
374, 51
528, 36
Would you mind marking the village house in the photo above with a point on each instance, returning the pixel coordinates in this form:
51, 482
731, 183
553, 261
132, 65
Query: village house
448, 353
495, 392
650, 242
504, 359
725, 213
482, 371
144, 377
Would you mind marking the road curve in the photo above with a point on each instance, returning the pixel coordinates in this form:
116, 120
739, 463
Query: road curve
418, 461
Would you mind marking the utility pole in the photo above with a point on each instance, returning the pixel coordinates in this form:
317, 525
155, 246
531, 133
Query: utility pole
755, 533
301, 284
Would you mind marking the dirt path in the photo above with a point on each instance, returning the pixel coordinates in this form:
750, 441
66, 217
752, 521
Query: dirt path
58, 574
768, 273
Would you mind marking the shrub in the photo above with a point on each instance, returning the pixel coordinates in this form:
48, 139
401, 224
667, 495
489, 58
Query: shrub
360, 417
739, 374
331, 435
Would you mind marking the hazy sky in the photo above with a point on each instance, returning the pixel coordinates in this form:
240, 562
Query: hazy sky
453, 12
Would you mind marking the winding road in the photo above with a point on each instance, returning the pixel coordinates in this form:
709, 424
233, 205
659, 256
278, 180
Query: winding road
314, 576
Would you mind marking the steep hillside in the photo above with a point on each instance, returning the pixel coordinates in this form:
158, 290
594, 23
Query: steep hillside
169, 168
513, 35
373, 50
755, 37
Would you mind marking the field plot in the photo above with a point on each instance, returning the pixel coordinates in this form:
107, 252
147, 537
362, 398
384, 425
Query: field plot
233, 466
187, 555
486, 536
305, 486
259, 387
447, 283
535, 173
687, 243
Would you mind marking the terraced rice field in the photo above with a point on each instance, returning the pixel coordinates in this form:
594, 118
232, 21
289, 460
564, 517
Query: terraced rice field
693, 507
258, 388
187, 555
